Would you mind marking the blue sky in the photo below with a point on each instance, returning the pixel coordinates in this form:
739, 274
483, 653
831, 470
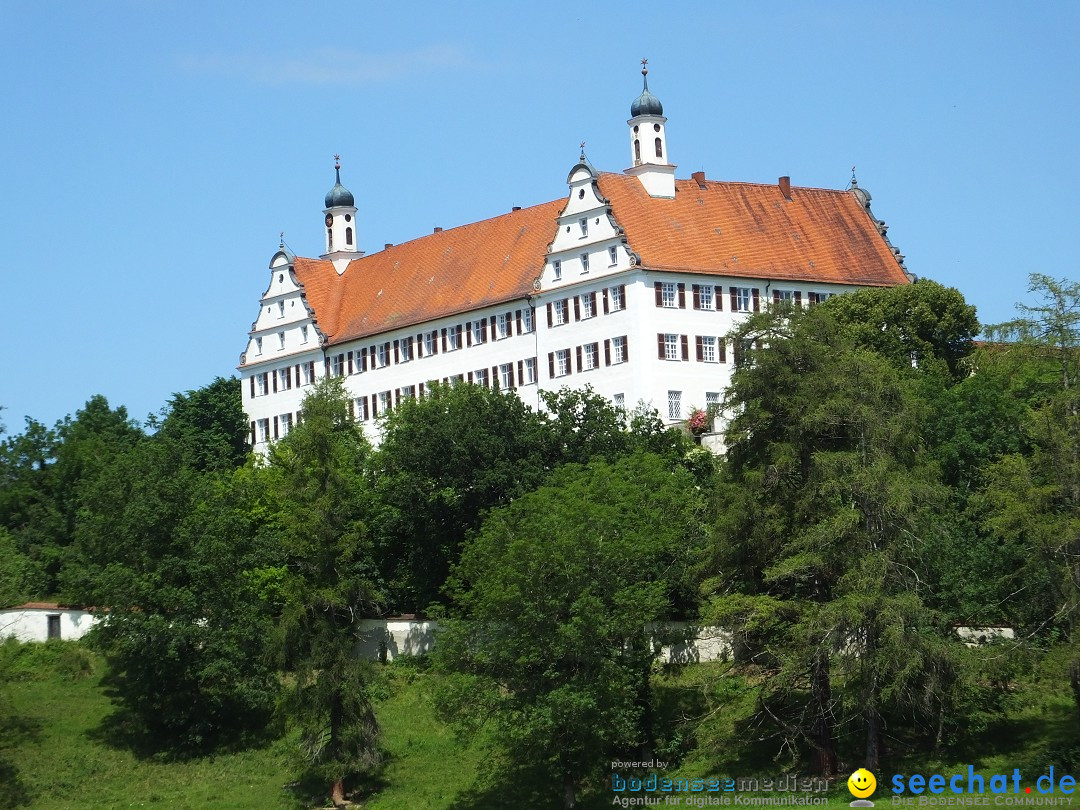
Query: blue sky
153, 150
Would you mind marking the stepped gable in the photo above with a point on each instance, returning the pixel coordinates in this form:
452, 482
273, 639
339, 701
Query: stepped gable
751, 230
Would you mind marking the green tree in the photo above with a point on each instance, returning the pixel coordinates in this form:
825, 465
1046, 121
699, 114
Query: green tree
330, 583
827, 498
444, 461
209, 424
553, 595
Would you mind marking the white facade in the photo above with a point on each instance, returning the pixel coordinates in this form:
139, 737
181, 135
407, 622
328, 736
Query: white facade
637, 331
41, 622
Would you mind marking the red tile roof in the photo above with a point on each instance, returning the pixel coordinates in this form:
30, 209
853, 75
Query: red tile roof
750, 230
732, 229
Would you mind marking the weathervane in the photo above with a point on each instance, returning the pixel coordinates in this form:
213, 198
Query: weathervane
337, 161
644, 67
854, 182
583, 151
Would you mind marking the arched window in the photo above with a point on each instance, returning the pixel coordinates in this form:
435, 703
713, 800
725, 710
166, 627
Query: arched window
348, 236
659, 149
329, 240
637, 151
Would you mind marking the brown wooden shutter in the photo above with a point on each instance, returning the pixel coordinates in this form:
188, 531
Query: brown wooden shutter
734, 299
721, 350
277, 435
311, 370
605, 301
444, 339
495, 377
517, 320
350, 363
483, 330
352, 409
326, 365
696, 289
551, 365
374, 405
470, 376
579, 359
532, 319
685, 347
252, 378
363, 359
607, 352
658, 287
798, 298
297, 375
549, 315
435, 342
458, 330
253, 431
468, 333
718, 298
776, 297
577, 309
700, 349
660, 346
626, 348
397, 397
682, 295
757, 305
592, 296
397, 355
521, 372
274, 381
494, 336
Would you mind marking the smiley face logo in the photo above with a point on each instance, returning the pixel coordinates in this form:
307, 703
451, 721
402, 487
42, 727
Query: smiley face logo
861, 783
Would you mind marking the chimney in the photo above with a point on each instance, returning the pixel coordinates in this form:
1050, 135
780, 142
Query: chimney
437, 230
699, 177
516, 208
388, 245
785, 187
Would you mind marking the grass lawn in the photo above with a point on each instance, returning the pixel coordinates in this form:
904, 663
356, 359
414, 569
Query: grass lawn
65, 759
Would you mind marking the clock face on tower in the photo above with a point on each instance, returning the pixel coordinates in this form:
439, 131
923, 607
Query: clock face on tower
329, 220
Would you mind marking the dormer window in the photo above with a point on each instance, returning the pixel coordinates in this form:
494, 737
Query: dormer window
557, 269
281, 309
584, 225
258, 345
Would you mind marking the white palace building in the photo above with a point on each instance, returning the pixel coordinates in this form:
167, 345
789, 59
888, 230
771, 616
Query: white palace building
628, 284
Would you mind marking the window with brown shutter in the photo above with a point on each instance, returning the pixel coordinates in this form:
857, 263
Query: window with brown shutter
757, 306
551, 365
696, 289
660, 353
607, 352
685, 347
682, 295
658, 287
697, 346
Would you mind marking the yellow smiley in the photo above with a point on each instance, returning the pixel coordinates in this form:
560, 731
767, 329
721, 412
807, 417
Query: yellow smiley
861, 783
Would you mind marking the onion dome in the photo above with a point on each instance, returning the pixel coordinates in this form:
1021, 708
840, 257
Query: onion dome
339, 195
646, 103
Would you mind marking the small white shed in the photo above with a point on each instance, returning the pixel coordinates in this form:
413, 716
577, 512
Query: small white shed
41, 621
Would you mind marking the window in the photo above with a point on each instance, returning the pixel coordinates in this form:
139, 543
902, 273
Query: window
613, 256
530, 370
261, 384
329, 241
584, 225
258, 345
584, 263
557, 268
384, 401
382, 355
527, 320
560, 312
262, 427
669, 294
559, 363
406, 349
506, 376
361, 409
303, 334
704, 296
431, 344
817, 298
348, 236
659, 148
783, 295
590, 351
285, 377
744, 299
281, 309
707, 349
618, 350
453, 338
281, 340
480, 377
407, 392
637, 151
619, 401
479, 331
588, 305
338, 365
309, 372
712, 398
502, 324
671, 347
674, 404
617, 296
286, 423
